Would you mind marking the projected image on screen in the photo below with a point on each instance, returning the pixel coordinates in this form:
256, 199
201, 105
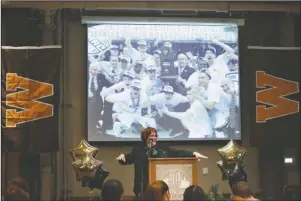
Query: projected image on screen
182, 80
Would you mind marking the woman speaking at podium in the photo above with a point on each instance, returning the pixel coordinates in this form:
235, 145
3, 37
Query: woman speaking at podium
149, 148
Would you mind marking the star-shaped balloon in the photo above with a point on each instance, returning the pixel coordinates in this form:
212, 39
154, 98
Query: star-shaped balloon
97, 182
237, 174
86, 169
82, 149
232, 153
84, 163
225, 169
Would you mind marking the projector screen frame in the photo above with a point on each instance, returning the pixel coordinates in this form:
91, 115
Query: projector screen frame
98, 20
94, 20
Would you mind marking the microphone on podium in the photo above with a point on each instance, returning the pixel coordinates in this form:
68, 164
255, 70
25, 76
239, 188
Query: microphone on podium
149, 148
150, 143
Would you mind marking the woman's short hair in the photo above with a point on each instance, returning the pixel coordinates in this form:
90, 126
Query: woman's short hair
145, 133
156, 191
112, 190
194, 192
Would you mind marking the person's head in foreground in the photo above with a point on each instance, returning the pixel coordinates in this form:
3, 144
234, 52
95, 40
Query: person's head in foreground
242, 191
14, 192
194, 192
21, 183
157, 191
241, 176
148, 134
112, 190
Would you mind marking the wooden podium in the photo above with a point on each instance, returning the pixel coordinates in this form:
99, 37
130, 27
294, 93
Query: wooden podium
178, 173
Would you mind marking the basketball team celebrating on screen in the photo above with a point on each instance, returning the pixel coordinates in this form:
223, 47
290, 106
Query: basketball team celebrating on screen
184, 89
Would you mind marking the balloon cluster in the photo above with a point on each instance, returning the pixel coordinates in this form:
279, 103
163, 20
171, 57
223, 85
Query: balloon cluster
88, 170
231, 164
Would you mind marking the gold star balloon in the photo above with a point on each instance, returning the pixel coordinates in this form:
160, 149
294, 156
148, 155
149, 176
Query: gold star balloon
86, 169
232, 153
82, 149
84, 163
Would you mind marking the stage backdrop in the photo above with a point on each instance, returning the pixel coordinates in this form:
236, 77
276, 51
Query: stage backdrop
30, 98
274, 90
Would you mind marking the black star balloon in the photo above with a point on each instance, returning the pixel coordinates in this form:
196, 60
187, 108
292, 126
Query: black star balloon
237, 174
98, 180
225, 169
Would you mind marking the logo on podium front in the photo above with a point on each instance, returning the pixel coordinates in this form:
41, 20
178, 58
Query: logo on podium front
178, 177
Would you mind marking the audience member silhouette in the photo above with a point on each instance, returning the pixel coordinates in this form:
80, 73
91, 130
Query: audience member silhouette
157, 191
112, 190
194, 192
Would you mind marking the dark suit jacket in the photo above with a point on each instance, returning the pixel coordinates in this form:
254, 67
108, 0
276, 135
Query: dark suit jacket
101, 82
95, 103
187, 71
139, 157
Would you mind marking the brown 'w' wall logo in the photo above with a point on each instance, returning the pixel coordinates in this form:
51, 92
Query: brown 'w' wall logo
274, 97
26, 100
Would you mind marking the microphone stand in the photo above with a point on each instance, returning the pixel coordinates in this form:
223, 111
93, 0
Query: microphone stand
148, 153
142, 184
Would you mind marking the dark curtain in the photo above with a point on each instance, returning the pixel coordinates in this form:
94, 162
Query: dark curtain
36, 64
284, 64
272, 136
20, 28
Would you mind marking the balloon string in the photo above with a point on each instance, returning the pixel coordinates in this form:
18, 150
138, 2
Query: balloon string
91, 194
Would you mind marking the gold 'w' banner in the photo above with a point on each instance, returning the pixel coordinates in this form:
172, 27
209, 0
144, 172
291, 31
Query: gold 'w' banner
30, 98
275, 77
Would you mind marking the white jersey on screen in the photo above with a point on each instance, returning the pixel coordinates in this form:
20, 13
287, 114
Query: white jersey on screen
127, 103
128, 113
159, 100
144, 58
111, 74
197, 121
220, 113
139, 76
151, 87
219, 69
118, 87
193, 80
